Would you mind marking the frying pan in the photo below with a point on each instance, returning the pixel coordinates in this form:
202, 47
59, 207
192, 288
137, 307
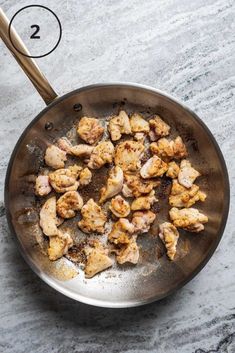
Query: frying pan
155, 276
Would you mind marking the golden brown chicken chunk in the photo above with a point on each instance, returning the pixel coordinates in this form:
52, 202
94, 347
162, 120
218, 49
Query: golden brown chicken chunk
42, 185
159, 128
55, 157
169, 149
188, 218
128, 155
114, 184
101, 154
63, 180
144, 202
125, 246
68, 204
82, 150
85, 177
136, 186
120, 232
93, 218
138, 123
59, 245
173, 170
119, 207
128, 252
169, 236
64, 144
97, 259
187, 174
183, 197
48, 218
75, 170
90, 130
142, 220
119, 125
154, 167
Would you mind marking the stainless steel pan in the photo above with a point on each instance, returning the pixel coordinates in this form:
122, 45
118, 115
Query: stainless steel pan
155, 276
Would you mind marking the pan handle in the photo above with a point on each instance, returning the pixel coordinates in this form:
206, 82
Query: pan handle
27, 64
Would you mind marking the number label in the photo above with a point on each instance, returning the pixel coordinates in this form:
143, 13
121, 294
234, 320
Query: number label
37, 29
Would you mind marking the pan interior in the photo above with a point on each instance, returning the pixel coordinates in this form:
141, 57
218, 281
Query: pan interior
154, 276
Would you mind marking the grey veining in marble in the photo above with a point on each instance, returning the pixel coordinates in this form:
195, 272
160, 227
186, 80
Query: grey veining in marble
186, 48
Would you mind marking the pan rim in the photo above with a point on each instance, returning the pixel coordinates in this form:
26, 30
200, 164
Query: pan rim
99, 302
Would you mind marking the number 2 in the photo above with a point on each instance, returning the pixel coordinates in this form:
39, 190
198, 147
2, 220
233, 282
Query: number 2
33, 36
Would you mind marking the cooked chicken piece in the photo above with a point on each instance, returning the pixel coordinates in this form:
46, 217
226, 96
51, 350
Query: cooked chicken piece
42, 185
188, 218
196, 228
85, 177
119, 207
144, 202
140, 136
93, 219
128, 252
169, 149
120, 232
119, 125
158, 128
63, 180
169, 235
136, 186
97, 260
113, 185
154, 167
48, 218
142, 220
75, 170
128, 155
183, 197
64, 144
59, 245
187, 174
122, 237
90, 130
101, 154
138, 123
173, 170
68, 204
127, 192
55, 157
82, 150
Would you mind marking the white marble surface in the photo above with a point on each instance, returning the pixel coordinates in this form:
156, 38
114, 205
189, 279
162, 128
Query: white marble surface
186, 48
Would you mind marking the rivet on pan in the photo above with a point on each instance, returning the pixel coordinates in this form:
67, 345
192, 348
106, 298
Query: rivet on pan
49, 126
77, 107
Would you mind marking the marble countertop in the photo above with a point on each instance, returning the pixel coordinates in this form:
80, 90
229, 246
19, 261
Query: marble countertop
186, 48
